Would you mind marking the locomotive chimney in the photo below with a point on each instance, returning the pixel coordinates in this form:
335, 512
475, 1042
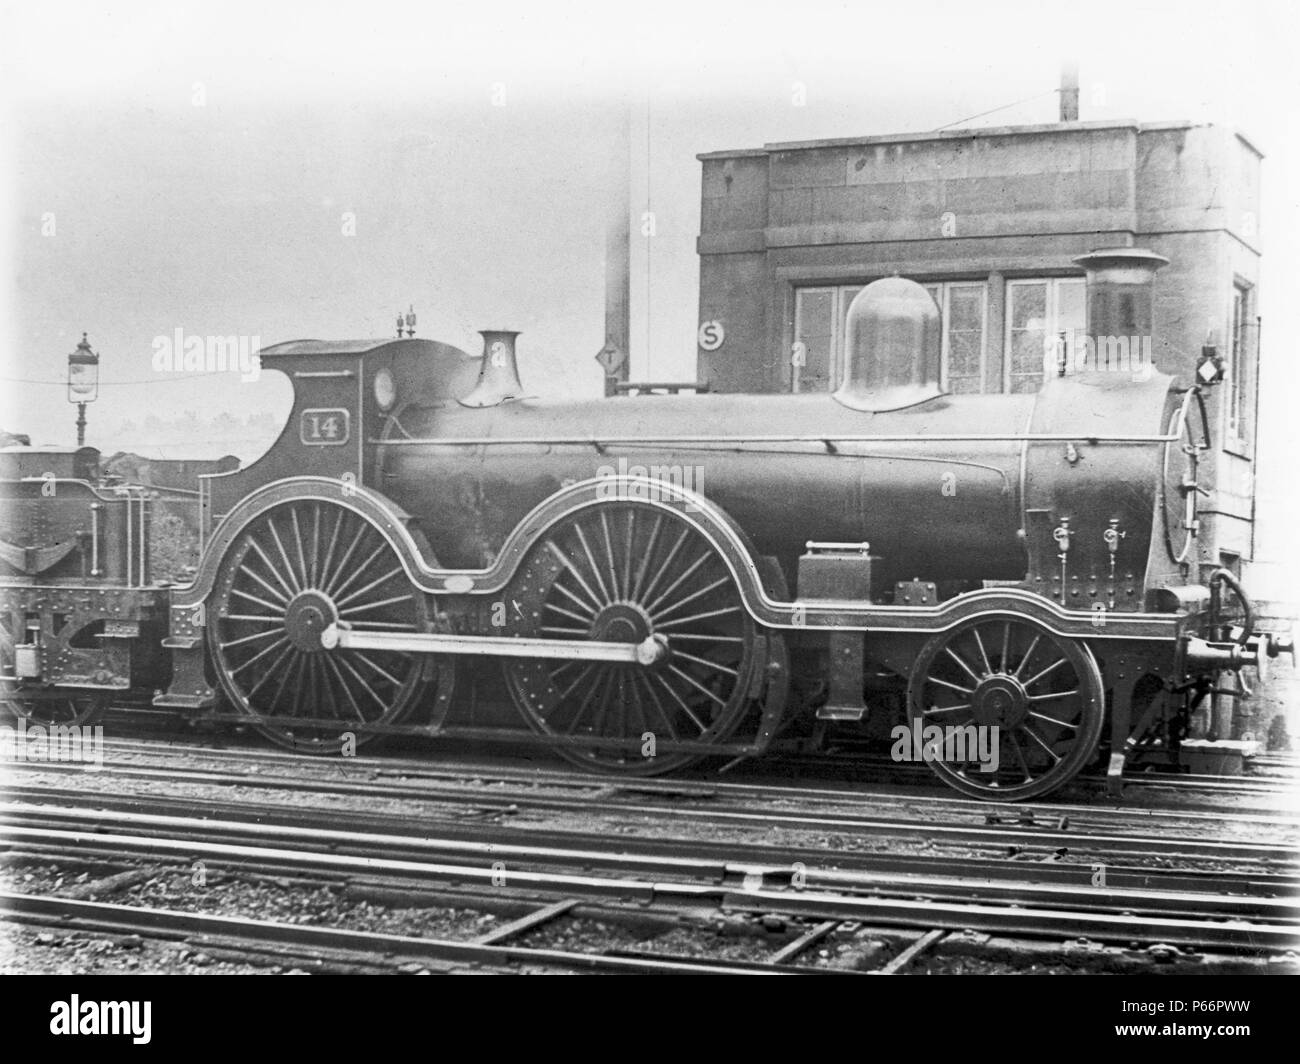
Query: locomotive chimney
1121, 282
498, 380
1069, 91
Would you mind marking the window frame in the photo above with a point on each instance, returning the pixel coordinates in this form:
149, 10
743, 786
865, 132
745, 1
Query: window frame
1237, 412
1052, 309
840, 309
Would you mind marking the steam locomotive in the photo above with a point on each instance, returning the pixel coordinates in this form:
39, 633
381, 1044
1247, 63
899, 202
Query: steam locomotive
651, 580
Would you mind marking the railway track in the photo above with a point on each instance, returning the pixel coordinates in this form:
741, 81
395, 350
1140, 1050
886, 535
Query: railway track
821, 859
1102, 832
562, 878
1276, 775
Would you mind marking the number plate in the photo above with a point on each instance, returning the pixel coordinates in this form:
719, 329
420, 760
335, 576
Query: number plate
324, 427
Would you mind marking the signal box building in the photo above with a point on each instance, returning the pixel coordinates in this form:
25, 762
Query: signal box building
990, 221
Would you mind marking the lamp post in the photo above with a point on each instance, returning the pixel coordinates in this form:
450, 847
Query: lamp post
83, 383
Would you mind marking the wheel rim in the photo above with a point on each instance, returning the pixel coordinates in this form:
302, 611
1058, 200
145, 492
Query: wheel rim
1041, 692
622, 572
291, 572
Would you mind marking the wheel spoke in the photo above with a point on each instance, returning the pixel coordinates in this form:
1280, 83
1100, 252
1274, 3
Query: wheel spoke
606, 596
946, 709
635, 594
284, 555
984, 657
270, 567
627, 553
594, 602
678, 699
951, 686
960, 661
366, 607
616, 590
337, 593
278, 611
1028, 654
345, 664
584, 621
700, 617
315, 544
695, 683
660, 711
590, 613
342, 567
299, 546
1020, 756
1056, 760
347, 689
1051, 668
681, 654
653, 607
259, 655
271, 669
247, 639
1052, 720
668, 561
658, 613
326, 575
1053, 695
274, 592
361, 655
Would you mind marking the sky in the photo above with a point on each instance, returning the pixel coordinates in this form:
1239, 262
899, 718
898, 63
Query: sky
310, 170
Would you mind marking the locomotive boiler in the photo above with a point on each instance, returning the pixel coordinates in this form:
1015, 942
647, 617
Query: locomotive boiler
650, 580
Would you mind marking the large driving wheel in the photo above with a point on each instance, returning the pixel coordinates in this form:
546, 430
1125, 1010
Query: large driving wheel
1030, 705
624, 572
290, 573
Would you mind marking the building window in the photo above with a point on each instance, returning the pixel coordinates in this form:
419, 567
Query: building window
821, 314
1240, 367
1045, 320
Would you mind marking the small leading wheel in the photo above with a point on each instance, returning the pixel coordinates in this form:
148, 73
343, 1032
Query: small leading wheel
1019, 709
623, 572
290, 573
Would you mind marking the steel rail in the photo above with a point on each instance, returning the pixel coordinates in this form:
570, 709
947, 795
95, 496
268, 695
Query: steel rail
44, 910
948, 834
334, 840
711, 789
778, 861
925, 913
851, 791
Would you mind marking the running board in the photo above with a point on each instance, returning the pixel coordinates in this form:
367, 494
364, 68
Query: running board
647, 652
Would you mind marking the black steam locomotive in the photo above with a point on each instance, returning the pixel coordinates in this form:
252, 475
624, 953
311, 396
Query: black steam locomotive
651, 580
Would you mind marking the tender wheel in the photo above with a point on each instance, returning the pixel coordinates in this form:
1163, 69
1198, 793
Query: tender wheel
621, 572
1041, 692
47, 707
43, 706
292, 571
